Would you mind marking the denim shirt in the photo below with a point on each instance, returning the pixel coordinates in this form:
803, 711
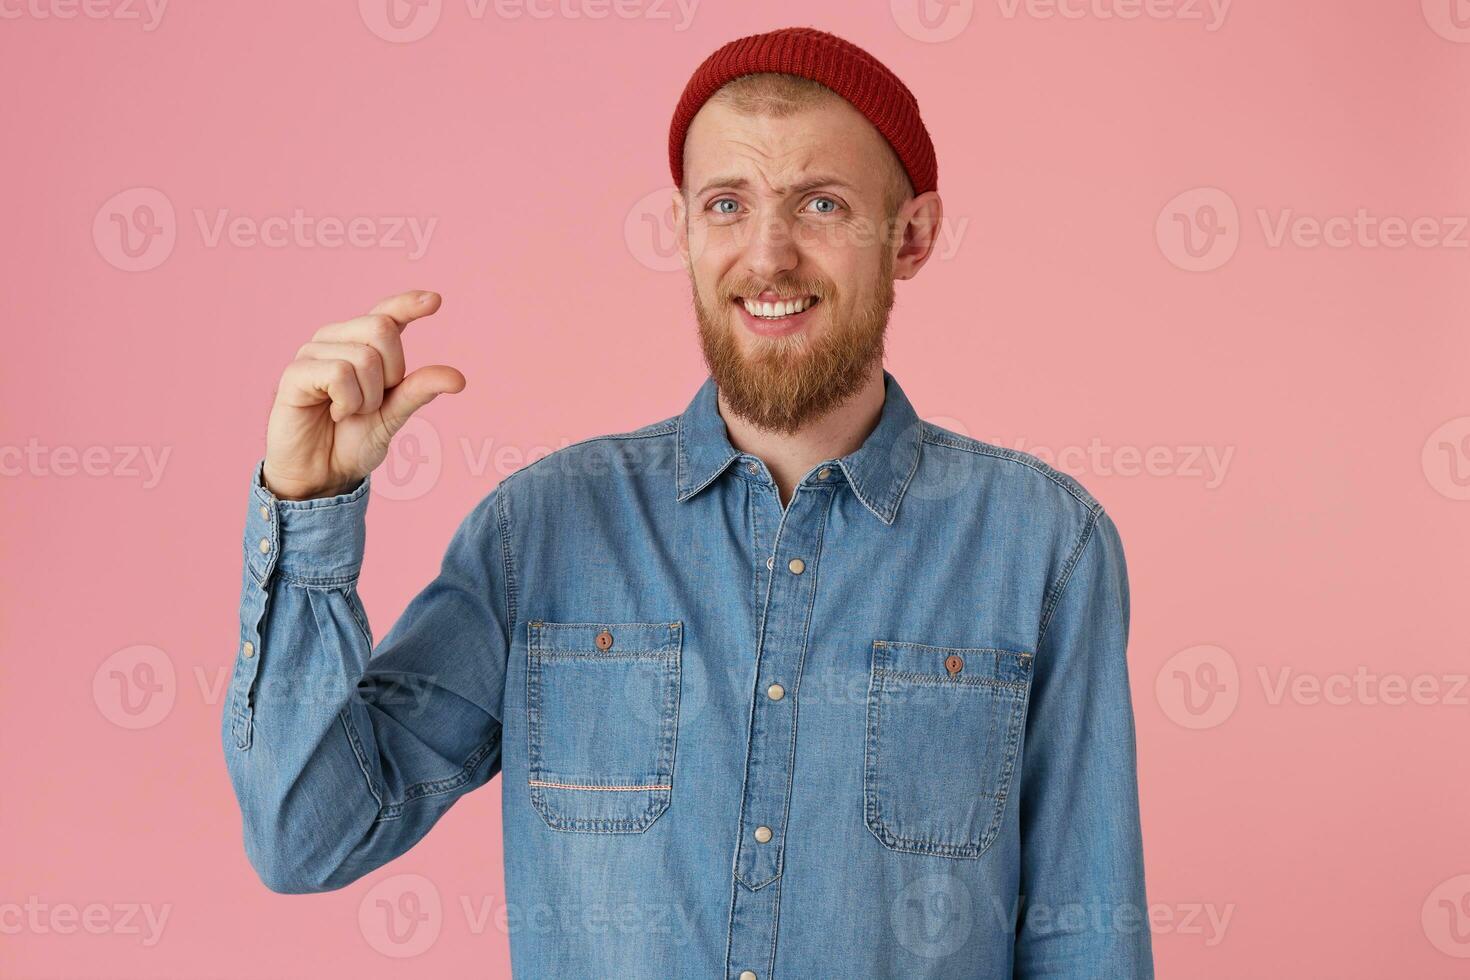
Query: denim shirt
883, 731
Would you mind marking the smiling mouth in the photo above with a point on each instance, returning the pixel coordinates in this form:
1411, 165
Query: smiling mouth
778, 310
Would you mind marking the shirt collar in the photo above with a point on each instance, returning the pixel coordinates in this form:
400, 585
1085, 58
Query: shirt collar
878, 471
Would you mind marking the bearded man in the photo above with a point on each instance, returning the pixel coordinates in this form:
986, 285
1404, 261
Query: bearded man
791, 684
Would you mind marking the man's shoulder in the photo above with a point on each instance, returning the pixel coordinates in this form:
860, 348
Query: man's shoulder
987, 468
634, 450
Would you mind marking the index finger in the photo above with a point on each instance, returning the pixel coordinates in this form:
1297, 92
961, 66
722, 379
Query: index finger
407, 307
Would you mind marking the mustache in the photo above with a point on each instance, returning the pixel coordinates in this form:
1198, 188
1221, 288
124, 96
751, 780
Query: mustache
786, 288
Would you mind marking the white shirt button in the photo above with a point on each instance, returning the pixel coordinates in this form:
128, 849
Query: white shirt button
265, 512
823, 473
248, 650
796, 565
775, 692
763, 834
265, 544
770, 562
747, 975
752, 467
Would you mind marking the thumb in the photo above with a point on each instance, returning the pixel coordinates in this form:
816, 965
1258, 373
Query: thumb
416, 390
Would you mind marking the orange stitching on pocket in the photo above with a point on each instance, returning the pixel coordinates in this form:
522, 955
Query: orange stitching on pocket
621, 789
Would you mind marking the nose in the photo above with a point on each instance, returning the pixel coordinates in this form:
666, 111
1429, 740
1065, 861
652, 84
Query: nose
772, 249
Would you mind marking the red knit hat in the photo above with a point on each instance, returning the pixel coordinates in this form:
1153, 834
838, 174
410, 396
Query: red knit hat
840, 65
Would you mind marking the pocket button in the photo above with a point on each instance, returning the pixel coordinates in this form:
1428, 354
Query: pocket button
604, 640
954, 663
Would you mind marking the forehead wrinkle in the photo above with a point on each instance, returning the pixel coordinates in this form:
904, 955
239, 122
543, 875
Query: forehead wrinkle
805, 172
777, 160
785, 153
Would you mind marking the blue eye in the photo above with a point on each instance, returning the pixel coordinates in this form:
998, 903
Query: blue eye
829, 200
723, 200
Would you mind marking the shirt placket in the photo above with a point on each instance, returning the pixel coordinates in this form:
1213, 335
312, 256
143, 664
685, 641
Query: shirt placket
791, 577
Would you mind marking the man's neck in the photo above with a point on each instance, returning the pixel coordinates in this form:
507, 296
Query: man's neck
838, 433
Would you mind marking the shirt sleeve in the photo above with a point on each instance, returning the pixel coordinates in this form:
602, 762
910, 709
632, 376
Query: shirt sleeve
1083, 909
342, 757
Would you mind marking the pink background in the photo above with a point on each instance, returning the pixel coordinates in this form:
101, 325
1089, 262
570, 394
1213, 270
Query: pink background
1288, 833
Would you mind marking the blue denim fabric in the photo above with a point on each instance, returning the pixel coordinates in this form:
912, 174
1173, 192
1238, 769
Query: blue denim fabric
884, 731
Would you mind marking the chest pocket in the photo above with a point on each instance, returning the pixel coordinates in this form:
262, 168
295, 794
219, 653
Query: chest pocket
602, 713
943, 733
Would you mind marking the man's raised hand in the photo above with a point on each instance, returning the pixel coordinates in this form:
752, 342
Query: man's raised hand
341, 400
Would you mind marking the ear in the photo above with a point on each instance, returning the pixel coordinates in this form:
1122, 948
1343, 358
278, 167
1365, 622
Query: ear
681, 228
916, 233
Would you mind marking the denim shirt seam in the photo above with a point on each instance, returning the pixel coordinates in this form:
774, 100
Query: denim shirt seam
1054, 596
321, 583
507, 559
392, 810
662, 428
344, 715
980, 448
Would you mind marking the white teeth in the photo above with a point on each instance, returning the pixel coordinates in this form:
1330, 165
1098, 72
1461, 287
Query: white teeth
774, 311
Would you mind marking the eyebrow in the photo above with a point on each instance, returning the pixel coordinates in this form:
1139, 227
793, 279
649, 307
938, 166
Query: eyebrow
810, 184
